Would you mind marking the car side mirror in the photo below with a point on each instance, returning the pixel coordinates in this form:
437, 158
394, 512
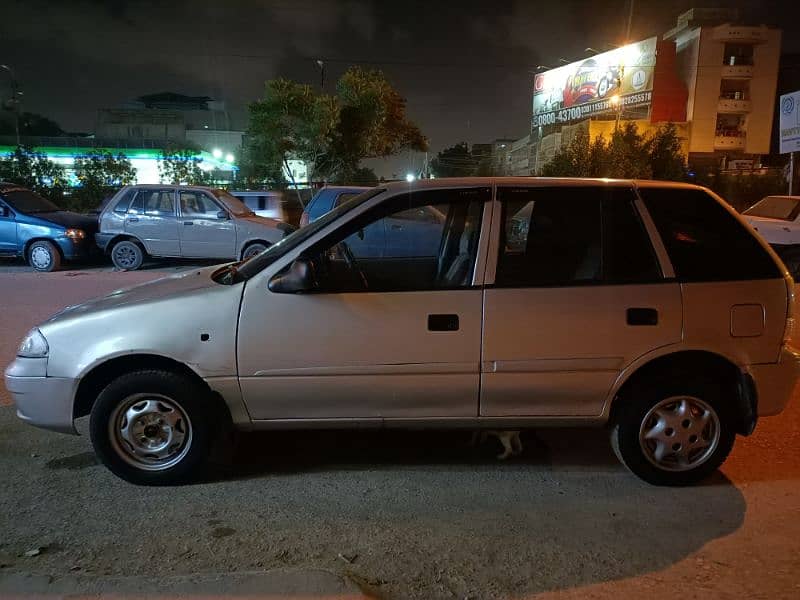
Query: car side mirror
299, 277
5, 211
222, 215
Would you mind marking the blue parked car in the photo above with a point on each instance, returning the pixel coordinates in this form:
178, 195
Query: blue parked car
39, 231
415, 233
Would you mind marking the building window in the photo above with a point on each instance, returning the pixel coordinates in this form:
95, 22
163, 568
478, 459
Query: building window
738, 54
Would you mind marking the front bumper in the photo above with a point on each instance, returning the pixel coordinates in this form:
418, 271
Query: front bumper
42, 401
78, 249
775, 383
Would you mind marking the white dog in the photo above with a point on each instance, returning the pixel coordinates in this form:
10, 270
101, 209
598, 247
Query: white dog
512, 445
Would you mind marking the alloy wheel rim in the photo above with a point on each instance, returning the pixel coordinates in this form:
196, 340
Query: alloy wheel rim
125, 256
150, 432
679, 433
40, 257
253, 250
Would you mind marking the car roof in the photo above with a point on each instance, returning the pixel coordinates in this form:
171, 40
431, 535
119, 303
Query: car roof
256, 192
161, 186
424, 184
344, 188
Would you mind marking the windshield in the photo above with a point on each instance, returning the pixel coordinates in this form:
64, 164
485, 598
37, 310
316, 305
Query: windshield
233, 204
784, 208
28, 202
274, 252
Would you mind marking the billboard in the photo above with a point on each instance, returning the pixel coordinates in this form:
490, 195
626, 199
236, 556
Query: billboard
789, 128
585, 88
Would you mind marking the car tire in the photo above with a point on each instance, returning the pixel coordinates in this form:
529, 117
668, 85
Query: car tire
127, 255
44, 257
153, 427
252, 249
673, 432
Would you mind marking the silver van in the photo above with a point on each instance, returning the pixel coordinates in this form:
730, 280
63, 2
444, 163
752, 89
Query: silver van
650, 308
181, 221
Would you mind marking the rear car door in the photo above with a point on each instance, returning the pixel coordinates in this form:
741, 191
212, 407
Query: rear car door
381, 337
202, 232
578, 293
151, 218
8, 230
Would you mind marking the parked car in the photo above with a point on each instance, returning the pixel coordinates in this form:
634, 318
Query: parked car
648, 307
326, 199
264, 203
34, 228
182, 221
777, 219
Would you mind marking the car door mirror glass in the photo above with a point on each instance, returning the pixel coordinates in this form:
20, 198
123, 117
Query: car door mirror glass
223, 215
296, 278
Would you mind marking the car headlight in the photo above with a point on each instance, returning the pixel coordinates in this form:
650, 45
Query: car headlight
34, 345
75, 234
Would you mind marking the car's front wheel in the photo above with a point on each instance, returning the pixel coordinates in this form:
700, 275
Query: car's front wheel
44, 256
127, 255
253, 249
673, 433
152, 427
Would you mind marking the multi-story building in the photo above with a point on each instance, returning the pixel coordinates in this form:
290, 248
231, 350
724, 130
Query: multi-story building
731, 73
520, 156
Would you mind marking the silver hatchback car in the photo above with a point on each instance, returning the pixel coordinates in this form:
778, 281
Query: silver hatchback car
650, 308
182, 221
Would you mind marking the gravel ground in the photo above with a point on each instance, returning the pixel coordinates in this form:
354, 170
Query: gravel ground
387, 514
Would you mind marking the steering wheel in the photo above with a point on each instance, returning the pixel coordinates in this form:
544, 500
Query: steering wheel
351, 263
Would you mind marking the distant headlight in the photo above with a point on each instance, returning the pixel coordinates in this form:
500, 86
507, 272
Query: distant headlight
33, 346
76, 234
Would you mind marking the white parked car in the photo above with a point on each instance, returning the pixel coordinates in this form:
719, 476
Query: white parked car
647, 307
777, 219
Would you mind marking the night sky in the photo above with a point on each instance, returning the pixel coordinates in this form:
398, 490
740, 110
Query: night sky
463, 65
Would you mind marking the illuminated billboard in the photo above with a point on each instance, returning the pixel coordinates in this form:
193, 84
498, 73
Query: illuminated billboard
585, 88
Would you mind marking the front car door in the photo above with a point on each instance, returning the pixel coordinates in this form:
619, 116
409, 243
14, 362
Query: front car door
151, 218
8, 230
386, 337
577, 294
203, 233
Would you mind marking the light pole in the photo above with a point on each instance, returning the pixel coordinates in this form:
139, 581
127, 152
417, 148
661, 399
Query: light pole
616, 101
13, 102
321, 65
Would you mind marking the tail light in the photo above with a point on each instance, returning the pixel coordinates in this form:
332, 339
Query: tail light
305, 219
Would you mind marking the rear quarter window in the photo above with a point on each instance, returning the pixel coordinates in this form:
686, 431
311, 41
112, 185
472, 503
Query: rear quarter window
704, 241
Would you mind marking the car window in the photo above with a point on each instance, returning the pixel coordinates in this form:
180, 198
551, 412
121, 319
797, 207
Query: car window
370, 254
157, 203
124, 203
197, 204
423, 214
550, 237
785, 208
344, 197
704, 241
628, 255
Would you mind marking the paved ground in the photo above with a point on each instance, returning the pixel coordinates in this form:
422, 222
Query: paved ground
391, 515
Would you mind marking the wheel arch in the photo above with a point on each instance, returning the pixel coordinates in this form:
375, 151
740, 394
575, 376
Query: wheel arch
250, 242
124, 237
100, 375
40, 238
734, 382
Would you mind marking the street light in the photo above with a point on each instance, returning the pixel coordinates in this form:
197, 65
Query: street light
410, 177
229, 158
13, 102
216, 153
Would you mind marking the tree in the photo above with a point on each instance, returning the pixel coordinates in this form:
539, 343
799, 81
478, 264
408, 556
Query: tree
31, 124
31, 169
182, 166
456, 161
364, 119
664, 151
364, 176
99, 173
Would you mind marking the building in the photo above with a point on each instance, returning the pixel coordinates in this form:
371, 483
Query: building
712, 76
519, 157
731, 73
173, 119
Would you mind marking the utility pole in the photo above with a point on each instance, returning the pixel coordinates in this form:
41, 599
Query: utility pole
791, 172
13, 103
321, 65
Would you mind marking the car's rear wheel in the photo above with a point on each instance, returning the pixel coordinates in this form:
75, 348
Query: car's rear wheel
253, 249
44, 256
673, 433
153, 427
127, 255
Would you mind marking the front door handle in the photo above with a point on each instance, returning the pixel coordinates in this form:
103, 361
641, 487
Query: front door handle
188, 222
642, 316
133, 219
442, 322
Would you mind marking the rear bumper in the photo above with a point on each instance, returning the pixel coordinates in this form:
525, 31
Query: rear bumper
42, 401
102, 240
775, 383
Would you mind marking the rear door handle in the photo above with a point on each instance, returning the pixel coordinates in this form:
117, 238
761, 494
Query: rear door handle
442, 322
188, 222
133, 220
642, 316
